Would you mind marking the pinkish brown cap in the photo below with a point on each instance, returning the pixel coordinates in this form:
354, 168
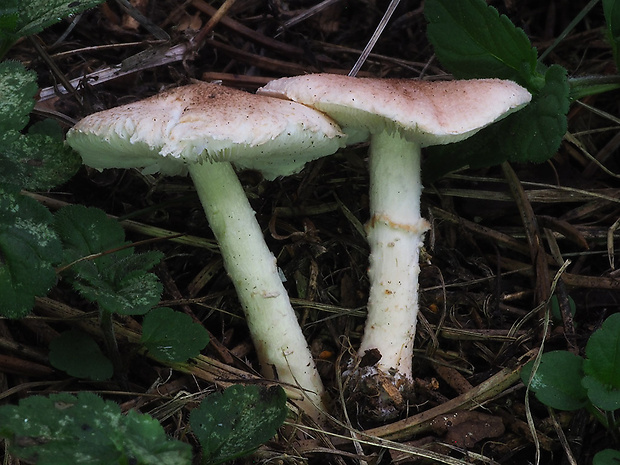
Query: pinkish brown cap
429, 112
202, 123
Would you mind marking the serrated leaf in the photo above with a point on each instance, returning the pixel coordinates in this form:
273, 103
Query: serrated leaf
117, 280
472, 40
123, 287
39, 160
36, 15
29, 248
238, 420
85, 429
148, 443
18, 87
79, 355
602, 365
85, 231
172, 336
32, 16
533, 134
557, 381
611, 10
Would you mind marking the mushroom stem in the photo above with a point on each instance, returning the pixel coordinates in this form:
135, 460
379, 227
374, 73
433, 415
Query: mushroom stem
395, 235
281, 346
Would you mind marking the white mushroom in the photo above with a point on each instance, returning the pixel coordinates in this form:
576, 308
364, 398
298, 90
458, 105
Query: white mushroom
201, 129
400, 116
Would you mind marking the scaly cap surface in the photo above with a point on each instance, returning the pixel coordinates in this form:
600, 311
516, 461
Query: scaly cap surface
430, 112
206, 122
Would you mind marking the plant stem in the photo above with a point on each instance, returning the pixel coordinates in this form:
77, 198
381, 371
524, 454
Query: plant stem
395, 234
109, 339
584, 86
281, 346
612, 425
596, 413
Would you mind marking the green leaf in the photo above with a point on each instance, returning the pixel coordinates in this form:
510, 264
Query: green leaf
607, 457
147, 442
602, 365
117, 280
28, 250
472, 40
39, 160
19, 18
533, 134
79, 355
36, 15
235, 422
172, 336
18, 87
123, 286
611, 10
557, 382
8, 16
85, 429
85, 231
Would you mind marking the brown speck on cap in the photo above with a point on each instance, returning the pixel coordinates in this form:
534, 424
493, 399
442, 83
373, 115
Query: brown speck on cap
431, 112
206, 122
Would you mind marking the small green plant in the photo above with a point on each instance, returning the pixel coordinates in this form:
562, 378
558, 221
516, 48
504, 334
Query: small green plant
472, 40
34, 160
21, 18
99, 263
105, 270
29, 248
235, 422
565, 381
102, 266
96, 260
32, 156
63, 428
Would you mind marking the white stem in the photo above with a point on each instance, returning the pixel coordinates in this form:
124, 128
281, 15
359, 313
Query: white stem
395, 235
281, 346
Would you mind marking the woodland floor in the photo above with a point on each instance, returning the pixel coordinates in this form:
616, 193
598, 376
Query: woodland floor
478, 284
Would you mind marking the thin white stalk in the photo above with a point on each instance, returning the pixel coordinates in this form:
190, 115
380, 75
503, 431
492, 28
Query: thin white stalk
281, 346
395, 235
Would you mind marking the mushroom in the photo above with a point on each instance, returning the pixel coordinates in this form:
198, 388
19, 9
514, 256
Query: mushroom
202, 128
400, 116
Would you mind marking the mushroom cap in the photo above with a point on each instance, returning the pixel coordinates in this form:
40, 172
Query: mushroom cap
429, 112
206, 122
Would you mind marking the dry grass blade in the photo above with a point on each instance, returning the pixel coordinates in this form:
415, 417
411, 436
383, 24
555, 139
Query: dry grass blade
534, 239
474, 398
